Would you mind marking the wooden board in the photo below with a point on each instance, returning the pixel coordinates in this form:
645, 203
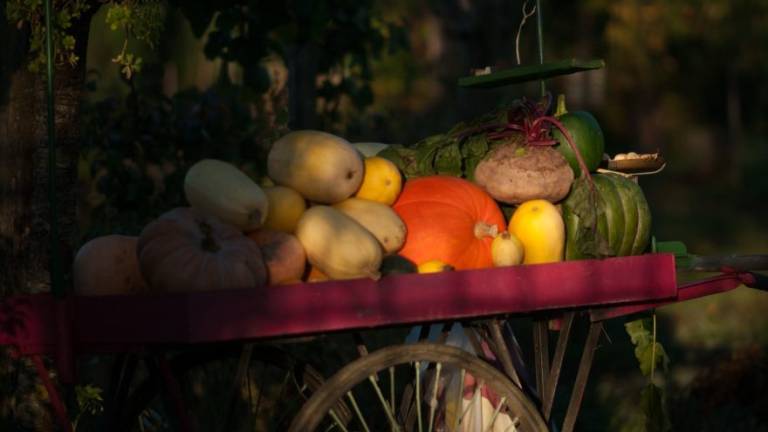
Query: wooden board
114, 323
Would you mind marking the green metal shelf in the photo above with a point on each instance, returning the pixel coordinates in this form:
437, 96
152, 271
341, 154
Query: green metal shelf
526, 73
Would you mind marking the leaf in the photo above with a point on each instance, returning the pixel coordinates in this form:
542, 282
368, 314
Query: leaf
580, 201
473, 149
651, 356
448, 160
638, 332
404, 158
652, 404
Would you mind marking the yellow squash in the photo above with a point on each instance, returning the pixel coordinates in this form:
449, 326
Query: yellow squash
382, 181
540, 228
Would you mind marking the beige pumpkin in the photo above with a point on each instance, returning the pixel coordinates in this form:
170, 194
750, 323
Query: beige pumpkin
322, 167
377, 218
220, 189
185, 250
337, 245
108, 265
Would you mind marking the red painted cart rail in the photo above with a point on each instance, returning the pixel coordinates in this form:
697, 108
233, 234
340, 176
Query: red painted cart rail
33, 323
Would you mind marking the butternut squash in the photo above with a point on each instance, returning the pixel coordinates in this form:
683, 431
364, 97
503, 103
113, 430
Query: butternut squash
323, 168
377, 218
217, 188
337, 245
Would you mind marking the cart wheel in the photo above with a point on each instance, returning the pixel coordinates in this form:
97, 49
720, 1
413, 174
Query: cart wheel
274, 387
417, 387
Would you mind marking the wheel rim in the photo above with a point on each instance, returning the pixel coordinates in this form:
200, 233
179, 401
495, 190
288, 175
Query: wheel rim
429, 408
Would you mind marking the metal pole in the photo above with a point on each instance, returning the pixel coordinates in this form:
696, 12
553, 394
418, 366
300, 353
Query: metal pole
56, 277
540, 40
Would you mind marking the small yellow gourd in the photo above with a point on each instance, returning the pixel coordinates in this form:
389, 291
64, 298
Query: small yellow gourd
377, 218
337, 245
434, 266
322, 167
217, 188
506, 250
539, 226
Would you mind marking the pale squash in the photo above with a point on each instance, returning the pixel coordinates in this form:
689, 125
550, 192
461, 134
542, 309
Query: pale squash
377, 218
108, 265
220, 189
337, 245
323, 168
185, 250
507, 250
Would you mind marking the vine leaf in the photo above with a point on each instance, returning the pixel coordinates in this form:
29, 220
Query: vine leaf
650, 357
650, 354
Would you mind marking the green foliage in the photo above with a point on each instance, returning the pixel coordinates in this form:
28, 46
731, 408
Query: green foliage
652, 404
139, 149
581, 204
31, 14
89, 401
650, 354
648, 351
142, 20
456, 152
347, 34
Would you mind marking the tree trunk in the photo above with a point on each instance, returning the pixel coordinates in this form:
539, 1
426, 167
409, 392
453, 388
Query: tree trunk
25, 243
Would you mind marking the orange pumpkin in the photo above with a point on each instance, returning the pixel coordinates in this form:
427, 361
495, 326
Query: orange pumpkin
448, 219
184, 250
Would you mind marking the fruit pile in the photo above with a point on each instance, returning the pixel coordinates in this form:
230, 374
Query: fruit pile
516, 187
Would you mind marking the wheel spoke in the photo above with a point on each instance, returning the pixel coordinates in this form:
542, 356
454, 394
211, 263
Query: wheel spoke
513, 426
359, 414
384, 404
457, 412
496, 413
418, 395
392, 387
337, 421
433, 400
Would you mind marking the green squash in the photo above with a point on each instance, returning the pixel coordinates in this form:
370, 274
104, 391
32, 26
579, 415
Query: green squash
623, 220
397, 264
587, 136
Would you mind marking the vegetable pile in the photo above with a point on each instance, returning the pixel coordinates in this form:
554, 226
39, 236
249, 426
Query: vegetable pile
517, 186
